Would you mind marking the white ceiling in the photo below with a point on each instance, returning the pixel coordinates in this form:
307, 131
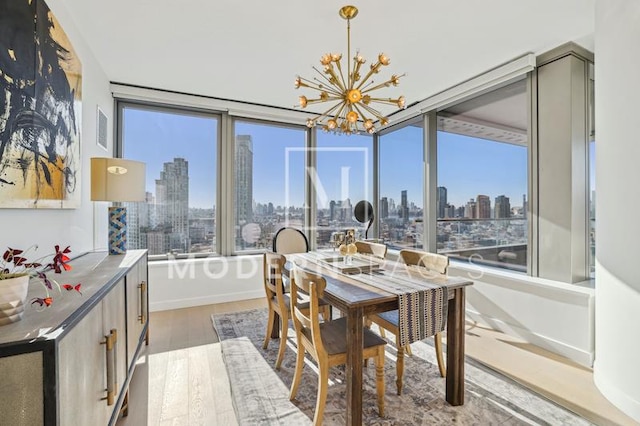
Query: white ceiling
252, 50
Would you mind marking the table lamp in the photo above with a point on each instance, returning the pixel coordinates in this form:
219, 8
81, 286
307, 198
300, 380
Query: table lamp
119, 180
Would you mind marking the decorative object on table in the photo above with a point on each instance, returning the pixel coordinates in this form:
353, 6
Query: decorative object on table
16, 271
40, 94
120, 180
337, 239
363, 211
352, 111
348, 249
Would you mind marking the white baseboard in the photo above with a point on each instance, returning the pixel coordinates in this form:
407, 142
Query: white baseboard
166, 305
581, 356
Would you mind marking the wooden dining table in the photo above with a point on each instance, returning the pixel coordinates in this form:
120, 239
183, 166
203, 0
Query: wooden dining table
353, 295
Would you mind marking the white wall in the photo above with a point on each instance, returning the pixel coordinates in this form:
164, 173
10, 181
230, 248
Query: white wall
195, 282
549, 314
21, 228
617, 366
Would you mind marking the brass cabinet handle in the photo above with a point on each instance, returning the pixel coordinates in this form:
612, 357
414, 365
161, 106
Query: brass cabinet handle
111, 345
143, 302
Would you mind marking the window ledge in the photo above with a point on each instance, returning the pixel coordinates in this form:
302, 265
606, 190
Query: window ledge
492, 274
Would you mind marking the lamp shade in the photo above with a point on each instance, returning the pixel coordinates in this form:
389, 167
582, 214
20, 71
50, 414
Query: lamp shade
117, 179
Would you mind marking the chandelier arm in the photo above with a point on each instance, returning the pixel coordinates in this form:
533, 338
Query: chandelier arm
308, 82
323, 76
373, 111
385, 100
319, 100
327, 112
395, 78
379, 86
321, 88
373, 70
363, 115
356, 70
344, 83
335, 82
337, 115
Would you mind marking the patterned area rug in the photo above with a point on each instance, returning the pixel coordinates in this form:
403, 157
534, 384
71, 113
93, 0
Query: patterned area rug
490, 398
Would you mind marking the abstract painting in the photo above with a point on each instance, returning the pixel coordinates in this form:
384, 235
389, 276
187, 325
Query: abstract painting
40, 102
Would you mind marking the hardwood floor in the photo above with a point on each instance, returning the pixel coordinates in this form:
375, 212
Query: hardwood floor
180, 378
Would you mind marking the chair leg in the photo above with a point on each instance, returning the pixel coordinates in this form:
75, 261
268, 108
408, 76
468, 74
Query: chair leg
438, 343
323, 385
269, 327
326, 313
382, 332
379, 360
298, 371
399, 369
408, 350
284, 328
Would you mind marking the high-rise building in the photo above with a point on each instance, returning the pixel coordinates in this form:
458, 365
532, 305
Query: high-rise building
450, 211
441, 201
172, 195
502, 207
470, 211
525, 205
404, 206
139, 219
244, 179
483, 207
332, 210
384, 208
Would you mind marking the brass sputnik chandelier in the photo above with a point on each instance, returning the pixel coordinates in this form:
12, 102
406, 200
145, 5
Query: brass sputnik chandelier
352, 111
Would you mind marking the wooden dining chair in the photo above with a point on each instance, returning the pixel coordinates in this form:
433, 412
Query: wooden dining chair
373, 249
279, 302
434, 264
327, 342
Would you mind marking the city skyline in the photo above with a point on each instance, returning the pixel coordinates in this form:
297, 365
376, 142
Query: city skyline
194, 137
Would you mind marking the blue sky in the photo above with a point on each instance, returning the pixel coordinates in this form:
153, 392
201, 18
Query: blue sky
466, 166
156, 138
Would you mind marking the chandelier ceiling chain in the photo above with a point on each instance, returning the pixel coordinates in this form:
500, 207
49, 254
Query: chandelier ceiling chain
352, 95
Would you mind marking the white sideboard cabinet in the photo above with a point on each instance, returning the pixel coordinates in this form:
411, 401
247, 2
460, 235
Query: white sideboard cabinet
71, 363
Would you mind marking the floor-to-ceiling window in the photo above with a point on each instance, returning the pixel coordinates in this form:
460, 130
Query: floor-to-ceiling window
178, 147
269, 182
343, 176
482, 179
401, 177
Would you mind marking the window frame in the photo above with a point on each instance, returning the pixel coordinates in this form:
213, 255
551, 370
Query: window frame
227, 111
118, 151
230, 207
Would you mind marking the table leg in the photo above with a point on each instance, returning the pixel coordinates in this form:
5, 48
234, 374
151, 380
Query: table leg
354, 366
275, 331
455, 348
